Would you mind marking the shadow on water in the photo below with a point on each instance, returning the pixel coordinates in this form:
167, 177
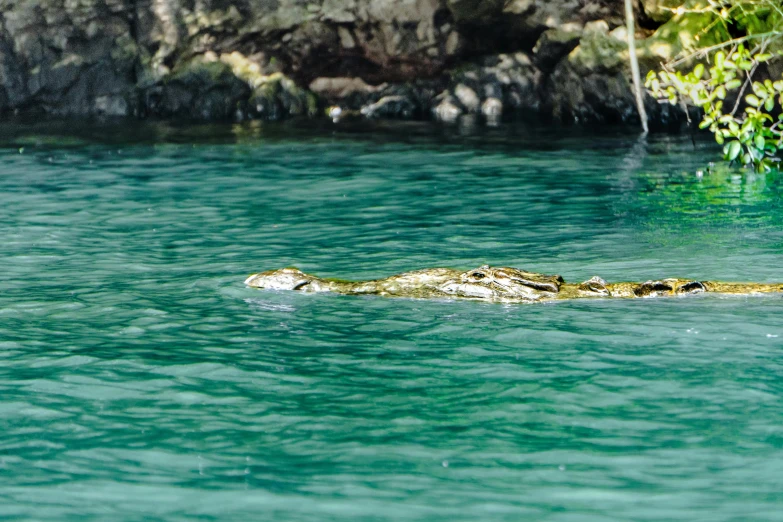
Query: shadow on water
15, 133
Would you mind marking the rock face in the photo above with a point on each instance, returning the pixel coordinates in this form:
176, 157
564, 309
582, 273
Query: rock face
270, 59
63, 58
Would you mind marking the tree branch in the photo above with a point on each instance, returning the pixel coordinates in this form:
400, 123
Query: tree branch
637, 82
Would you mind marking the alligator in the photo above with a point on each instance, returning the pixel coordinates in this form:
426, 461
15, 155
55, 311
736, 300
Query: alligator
501, 284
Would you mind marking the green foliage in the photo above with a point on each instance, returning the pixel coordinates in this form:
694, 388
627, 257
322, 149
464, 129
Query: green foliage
754, 136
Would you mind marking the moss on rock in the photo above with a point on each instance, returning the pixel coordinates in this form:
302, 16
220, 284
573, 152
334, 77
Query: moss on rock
660, 10
598, 50
693, 28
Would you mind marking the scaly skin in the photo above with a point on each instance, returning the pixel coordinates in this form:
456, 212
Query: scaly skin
503, 284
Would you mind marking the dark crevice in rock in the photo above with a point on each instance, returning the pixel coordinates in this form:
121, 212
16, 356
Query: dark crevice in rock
324, 62
328, 65
643, 20
442, 17
504, 40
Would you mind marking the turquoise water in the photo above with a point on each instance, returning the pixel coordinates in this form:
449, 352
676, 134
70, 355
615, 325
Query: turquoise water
140, 379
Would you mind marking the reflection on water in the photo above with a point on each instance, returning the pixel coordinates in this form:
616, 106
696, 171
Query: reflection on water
723, 195
141, 379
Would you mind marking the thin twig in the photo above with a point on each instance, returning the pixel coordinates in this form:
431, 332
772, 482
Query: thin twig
749, 76
707, 50
637, 82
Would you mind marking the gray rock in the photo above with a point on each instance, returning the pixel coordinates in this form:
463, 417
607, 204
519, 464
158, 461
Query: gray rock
593, 84
63, 57
199, 89
492, 108
390, 107
446, 108
467, 97
333, 90
554, 44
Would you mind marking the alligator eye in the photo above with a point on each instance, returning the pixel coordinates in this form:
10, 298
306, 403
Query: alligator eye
477, 275
692, 287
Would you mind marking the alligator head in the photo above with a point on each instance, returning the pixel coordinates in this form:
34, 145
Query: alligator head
484, 282
502, 284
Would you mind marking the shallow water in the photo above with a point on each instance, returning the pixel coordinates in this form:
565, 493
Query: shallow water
141, 380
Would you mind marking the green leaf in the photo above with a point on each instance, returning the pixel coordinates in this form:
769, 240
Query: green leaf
769, 103
759, 89
734, 84
719, 138
720, 57
698, 71
752, 100
734, 148
758, 141
761, 58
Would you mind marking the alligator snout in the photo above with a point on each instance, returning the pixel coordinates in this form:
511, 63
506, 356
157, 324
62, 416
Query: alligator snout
282, 279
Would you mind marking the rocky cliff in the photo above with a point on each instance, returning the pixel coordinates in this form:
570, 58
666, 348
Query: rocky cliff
270, 59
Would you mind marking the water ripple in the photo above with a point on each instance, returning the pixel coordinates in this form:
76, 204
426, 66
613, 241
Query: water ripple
141, 380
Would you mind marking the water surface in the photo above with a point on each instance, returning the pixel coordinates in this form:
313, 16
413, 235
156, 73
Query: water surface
140, 379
